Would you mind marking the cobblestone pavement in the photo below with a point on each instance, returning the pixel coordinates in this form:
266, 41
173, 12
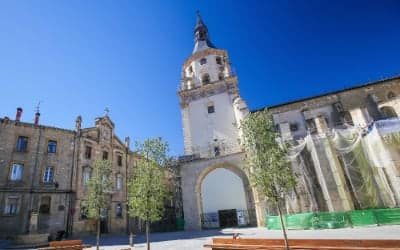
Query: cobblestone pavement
196, 239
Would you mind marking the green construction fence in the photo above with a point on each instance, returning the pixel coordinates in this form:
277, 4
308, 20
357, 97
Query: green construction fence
331, 220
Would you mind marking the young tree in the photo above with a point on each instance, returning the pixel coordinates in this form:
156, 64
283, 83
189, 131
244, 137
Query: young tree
147, 190
267, 163
98, 193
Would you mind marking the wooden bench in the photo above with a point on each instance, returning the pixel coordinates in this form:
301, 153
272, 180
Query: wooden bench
303, 244
66, 245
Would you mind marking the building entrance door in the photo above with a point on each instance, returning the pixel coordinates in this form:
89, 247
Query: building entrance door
227, 218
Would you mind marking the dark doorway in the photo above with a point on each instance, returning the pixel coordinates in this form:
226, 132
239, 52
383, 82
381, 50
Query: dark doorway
227, 218
103, 225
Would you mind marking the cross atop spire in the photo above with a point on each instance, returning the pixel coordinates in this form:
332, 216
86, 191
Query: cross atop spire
202, 40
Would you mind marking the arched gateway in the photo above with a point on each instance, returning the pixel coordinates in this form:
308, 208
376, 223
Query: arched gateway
212, 111
193, 174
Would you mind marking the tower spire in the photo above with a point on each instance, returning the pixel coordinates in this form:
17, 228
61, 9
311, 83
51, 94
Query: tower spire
202, 40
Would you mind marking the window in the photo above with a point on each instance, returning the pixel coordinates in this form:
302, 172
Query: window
210, 109
294, 127
217, 152
118, 210
48, 175
52, 147
83, 213
119, 181
86, 175
203, 61
11, 206
190, 70
45, 202
119, 160
218, 60
88, 152
105, 155
22, 144
220, 76
205, 79
16, 172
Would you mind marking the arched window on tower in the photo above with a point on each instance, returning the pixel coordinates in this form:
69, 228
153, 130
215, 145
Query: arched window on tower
205, 79
388, 112
391, 95
220, 76
218, 60
203, 61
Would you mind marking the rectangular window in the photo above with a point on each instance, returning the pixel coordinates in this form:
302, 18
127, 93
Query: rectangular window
48, 175
105, 155
118, 210
11, 206
22, 144
217, 152
52, 147
210, 109
119, 160
16, 172
88, 152
119, 182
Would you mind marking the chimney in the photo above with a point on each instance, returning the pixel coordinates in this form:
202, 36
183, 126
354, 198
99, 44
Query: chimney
37, 116
19, 114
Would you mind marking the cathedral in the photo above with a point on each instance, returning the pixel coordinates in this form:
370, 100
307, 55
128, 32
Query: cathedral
345, 145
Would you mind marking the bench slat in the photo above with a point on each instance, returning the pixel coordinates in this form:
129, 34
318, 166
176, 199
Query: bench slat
299, 244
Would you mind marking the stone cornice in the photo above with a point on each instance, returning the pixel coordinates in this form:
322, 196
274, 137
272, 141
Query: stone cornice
229, 85
204, 53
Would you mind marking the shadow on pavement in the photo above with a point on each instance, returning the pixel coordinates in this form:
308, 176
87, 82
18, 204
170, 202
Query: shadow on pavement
123, 239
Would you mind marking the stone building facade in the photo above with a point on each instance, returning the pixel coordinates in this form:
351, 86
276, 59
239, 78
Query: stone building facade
345, 145
44, 171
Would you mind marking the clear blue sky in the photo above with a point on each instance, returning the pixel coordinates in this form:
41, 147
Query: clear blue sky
79, 57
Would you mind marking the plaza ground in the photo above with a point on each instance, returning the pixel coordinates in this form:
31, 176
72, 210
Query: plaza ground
195, 240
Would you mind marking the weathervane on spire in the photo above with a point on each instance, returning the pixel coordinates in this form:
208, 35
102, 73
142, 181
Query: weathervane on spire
106, 110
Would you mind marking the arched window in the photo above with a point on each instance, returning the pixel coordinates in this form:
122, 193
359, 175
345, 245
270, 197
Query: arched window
45, 202
218, 60
203, 61
391, 95
388, 112
119, 182
86, 175
205, 79
220, 76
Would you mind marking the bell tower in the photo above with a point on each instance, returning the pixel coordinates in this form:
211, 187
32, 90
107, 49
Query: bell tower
211, 106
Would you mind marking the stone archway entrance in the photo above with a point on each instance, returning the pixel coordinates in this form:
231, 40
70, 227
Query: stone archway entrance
193, 174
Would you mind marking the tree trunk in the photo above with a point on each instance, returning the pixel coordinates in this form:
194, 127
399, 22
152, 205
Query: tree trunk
98, 234
283, 226
148, 234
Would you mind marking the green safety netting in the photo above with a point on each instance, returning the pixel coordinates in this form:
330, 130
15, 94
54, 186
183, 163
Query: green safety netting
333, 220
363, 217
300, 221
273, 222
388, 216
327, 220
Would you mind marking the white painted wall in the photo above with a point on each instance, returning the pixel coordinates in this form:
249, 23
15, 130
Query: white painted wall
222, 189
220, 125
